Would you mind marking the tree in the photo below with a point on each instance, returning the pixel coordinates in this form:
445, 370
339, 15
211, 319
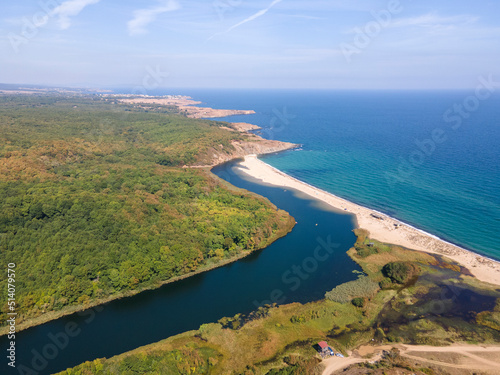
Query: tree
399, 272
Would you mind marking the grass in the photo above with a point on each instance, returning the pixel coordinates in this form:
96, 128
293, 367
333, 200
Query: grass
262, 343
362, 287
285, 338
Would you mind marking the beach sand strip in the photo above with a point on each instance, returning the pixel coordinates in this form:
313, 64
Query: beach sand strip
381, 227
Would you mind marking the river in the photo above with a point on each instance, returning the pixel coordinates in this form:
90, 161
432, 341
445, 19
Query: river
297, 268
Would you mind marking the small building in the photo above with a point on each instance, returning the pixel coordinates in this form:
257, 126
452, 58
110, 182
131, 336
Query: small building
324, 349
323, 345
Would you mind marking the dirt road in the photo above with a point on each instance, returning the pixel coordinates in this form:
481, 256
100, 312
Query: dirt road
472, 357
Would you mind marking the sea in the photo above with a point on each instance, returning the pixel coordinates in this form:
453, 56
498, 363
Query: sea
428, 158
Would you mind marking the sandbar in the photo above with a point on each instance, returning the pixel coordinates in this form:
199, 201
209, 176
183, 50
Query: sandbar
381, 227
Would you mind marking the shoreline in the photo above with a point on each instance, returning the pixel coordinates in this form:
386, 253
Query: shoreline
258, 144
381, 226
493, 274
72, 309
186, 105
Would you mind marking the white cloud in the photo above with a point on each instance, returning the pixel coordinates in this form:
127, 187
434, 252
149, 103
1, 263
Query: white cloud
144, 17
260, 13
434, 21
70, 9
302, 16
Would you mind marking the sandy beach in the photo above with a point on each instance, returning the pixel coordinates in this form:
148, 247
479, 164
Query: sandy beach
381, 227
186, 105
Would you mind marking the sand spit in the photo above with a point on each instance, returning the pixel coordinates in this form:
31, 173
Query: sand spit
245, 127
381, 227
186, 105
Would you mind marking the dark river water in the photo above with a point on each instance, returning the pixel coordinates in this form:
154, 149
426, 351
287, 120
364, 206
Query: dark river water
297, 268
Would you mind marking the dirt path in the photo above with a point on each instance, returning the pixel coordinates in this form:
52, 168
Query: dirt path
464, 350
333, 364
336, 364
475, 362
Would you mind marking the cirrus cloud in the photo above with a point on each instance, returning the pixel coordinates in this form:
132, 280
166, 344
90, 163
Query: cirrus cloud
143, 17
70, 9
254, 16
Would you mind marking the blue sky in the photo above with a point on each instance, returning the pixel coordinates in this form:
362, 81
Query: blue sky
358, 44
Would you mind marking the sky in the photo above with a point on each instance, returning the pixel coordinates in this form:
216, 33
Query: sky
275, 44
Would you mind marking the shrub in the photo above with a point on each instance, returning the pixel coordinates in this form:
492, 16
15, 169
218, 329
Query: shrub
364, 251
386, 283
302, 318
399, 272
358, 302
344, 293
298, 319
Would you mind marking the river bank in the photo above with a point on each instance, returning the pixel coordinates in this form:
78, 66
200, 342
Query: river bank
381, 227
241, 145
238, 287
53, 315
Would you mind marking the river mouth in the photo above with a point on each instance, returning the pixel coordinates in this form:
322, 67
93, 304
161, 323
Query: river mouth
299, 267
440, 292
438, 308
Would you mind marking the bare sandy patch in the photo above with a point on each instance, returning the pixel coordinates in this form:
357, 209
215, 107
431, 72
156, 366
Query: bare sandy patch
186, 105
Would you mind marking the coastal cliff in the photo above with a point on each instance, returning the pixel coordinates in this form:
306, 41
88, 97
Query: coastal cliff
252, 145
241, 146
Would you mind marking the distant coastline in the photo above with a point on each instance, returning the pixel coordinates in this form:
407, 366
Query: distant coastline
185, 104
387, 229
483, 268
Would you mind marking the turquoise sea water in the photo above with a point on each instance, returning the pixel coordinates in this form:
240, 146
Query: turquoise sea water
359, 145
413, 155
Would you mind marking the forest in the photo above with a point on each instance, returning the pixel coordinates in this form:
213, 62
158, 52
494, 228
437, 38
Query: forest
97, 199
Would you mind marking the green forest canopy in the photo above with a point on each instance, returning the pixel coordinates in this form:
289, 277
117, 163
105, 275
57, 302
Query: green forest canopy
94, 200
